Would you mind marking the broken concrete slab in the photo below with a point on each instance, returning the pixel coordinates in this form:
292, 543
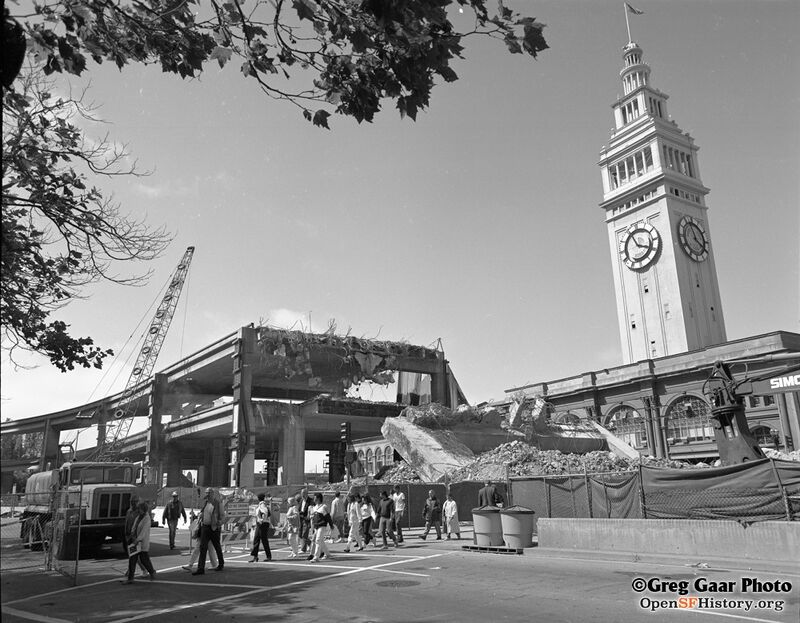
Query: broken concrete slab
431, 453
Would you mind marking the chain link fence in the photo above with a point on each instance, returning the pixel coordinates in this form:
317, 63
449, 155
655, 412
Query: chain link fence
756, 491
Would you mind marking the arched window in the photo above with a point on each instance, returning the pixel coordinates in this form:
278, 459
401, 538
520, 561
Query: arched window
361, 463
388, 455
766, 437
688, 420
627, 424
370, 466
378, 459
566, 417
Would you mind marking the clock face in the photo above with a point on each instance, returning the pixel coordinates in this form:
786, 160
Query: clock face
693, 238
639, 245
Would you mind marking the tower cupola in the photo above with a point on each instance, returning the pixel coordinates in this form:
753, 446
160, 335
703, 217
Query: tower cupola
635, 72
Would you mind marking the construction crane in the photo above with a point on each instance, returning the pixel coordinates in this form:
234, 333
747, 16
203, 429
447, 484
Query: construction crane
118, 429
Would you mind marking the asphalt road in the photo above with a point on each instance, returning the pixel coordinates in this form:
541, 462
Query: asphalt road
421, 582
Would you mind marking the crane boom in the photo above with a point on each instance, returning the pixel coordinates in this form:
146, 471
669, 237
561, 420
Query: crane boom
117, 430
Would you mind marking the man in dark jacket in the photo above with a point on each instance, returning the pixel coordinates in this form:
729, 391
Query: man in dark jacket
489, 496
385, 517
432, 514
172, 512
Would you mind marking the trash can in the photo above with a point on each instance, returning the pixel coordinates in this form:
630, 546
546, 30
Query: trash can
487, 526
517, 522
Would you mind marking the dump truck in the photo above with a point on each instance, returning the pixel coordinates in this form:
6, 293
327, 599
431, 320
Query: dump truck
90, 497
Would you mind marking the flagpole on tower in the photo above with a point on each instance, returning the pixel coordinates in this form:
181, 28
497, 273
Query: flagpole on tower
627, 21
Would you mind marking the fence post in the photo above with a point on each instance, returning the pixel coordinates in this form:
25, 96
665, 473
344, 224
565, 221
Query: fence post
547, 497
786, 506
572, 496
588, 491
78, 539
508, 487
642, 503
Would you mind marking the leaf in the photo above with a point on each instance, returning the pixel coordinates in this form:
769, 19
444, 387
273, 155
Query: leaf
321, 118
512, 44
221, 55
448, 74
306, 9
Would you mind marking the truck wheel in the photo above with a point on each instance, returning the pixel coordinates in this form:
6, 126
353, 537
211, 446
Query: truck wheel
64, 542
35, 536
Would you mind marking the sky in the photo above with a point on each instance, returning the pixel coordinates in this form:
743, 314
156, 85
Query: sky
478, 224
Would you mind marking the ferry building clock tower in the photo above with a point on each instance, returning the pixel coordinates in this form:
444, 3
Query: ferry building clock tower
661, 251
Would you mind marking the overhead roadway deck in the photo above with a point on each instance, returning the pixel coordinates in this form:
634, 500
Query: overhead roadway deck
238, 397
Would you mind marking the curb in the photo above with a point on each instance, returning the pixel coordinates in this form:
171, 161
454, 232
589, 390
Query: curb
698, 563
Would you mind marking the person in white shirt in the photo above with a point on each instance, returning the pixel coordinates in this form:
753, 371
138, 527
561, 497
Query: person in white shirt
399, 499
293, 525
450, 512
320, 522
337, 514
354, 519
263, 526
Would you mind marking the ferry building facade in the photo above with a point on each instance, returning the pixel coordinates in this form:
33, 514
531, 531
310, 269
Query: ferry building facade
669, 313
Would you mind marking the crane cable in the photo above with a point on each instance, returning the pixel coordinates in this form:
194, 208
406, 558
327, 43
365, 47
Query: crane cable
116, 360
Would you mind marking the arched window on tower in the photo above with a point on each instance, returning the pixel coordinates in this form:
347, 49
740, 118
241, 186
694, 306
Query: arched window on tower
627, 424
688, 419
378, 460
388, 455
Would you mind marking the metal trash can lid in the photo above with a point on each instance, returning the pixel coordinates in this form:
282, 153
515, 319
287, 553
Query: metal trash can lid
487, 509
519, 510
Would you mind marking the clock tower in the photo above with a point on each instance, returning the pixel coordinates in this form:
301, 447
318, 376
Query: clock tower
655, 203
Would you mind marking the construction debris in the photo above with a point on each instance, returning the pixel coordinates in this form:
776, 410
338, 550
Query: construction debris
433, 453
524, 459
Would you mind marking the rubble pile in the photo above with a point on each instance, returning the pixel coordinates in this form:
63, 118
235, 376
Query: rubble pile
794, 455
523, 459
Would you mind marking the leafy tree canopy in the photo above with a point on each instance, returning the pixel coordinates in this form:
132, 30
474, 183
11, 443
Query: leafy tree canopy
357, 52
59, 232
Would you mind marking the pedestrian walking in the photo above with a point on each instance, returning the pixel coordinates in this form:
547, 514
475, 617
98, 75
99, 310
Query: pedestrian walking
130, 518
432, 514
321, 522
450, 511
305, 503
399, 499
194, 535
367, 513
354, 519
140, 544
211, 519
263, 526
292, 526
172, 512
385, 513
337, 515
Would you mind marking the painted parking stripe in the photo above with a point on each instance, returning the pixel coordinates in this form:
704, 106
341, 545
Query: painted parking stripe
32, 617
217, 600
732, 616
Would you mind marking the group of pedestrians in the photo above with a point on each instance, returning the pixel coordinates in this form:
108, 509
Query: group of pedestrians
354, 519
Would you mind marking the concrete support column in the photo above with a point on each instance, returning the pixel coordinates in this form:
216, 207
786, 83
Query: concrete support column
292, 449
242, 461
171, 465
218, 464
50, 447
439, 391
155, 447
